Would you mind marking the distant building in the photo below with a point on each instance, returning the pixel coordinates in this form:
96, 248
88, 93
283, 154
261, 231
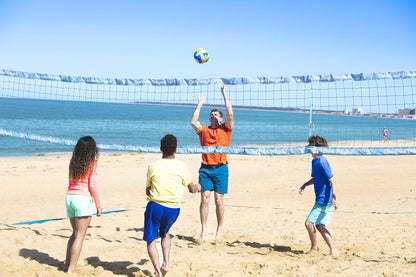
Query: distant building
406, 112
358, 111
355, 111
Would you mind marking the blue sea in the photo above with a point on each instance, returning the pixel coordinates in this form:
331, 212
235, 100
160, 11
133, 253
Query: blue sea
144, 125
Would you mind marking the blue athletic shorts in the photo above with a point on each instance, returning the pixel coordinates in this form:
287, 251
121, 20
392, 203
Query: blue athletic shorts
320, 214
157, 220
214, 177
79, 205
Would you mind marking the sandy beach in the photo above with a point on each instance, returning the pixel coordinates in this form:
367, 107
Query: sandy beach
264, 233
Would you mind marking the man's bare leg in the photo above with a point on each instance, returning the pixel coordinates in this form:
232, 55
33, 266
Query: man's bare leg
312, 236
166, 244
219, 204
328, 239
203, 210
154, 257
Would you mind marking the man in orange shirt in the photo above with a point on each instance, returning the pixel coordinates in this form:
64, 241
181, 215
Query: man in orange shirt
213, 174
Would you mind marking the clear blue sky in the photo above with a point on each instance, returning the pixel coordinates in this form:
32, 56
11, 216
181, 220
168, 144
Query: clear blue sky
156, 39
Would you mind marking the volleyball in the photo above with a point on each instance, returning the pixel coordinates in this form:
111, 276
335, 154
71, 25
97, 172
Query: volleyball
201, 55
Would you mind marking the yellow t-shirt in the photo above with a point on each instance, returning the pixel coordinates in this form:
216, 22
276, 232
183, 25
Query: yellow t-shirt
166, 179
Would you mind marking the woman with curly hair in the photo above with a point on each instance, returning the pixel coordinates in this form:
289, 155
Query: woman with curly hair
82, 198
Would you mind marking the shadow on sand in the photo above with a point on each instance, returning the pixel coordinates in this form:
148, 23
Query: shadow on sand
119, 268
278, 248
187, 238
40, 257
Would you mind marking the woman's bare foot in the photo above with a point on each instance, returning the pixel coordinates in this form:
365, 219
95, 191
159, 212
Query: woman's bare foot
218, 235
201, 238
334, 253
313, 250
73, 273
164, 270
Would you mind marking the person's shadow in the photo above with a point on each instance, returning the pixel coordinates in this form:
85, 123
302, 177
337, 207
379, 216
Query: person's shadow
116, 267
278, 248
119, 268
40, 257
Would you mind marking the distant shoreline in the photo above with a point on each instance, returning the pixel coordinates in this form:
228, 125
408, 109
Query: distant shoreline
255, 108
277, 109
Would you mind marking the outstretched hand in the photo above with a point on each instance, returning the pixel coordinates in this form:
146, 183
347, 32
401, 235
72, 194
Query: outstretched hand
301, 189
223, 90
201, 99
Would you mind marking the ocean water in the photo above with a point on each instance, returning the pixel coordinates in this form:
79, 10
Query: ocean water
145, 125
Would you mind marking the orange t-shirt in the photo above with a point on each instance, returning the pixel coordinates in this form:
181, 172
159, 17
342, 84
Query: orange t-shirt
220, 136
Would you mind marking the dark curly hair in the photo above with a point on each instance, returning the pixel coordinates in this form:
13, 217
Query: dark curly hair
85, 152
168, 145
317, 141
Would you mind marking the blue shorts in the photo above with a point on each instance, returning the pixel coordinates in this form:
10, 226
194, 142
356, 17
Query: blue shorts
320, 214
214, 177
157, 220
79, 205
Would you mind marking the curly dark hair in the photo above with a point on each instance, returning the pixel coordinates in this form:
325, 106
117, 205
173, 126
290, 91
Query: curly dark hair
168, 145
317, 141
85, 152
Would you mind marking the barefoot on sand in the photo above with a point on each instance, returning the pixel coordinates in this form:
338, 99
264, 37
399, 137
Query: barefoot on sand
313, 251
200, 239
72, 273
218, 235
164, 270
204, 237
334, 253
219, 239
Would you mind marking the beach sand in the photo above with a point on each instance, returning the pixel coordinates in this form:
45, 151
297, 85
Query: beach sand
264, 233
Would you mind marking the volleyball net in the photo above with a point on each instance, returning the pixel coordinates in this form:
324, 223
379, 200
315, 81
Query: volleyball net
272, 116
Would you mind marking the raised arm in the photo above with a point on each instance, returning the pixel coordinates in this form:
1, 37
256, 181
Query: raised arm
195, 116
229, 117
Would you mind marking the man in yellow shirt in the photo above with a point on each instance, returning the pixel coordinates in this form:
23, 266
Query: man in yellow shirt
164, 189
